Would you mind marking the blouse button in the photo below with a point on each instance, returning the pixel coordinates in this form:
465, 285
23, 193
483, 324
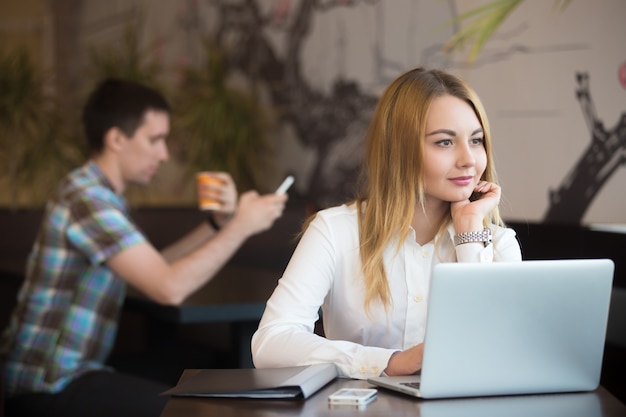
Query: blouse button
418, 298
362, 369
375, 370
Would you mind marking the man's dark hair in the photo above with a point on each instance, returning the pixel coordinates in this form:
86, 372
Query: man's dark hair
118, 103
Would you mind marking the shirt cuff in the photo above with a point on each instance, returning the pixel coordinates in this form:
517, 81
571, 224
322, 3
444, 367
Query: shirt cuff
370, 362
474, 252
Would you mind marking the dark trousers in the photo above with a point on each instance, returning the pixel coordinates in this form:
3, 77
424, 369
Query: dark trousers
94, 394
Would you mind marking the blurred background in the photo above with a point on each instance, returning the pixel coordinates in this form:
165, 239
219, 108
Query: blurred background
275, 87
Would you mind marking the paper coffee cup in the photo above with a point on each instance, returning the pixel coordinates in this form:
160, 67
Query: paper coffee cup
205, 178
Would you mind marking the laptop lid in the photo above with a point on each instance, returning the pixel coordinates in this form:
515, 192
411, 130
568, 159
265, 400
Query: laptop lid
514, 328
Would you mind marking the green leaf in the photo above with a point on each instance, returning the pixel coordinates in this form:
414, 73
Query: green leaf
480, 23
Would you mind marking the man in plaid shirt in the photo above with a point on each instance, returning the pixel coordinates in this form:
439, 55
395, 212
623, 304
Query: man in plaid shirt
88, 250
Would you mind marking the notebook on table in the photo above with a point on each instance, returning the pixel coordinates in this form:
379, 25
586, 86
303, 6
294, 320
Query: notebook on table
512, 328
298, 382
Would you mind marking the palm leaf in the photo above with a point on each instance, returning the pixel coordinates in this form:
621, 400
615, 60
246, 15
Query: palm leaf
127, 60
26, 113
563, 4
219, 127
480, 23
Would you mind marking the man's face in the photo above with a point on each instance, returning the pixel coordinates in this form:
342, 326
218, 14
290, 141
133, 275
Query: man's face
142, 153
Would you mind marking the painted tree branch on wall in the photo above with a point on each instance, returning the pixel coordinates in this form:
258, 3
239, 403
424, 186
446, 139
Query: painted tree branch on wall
323, 123
607, 150
604, 155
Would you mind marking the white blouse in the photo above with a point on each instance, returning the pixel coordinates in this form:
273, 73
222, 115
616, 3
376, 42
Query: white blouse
325, 271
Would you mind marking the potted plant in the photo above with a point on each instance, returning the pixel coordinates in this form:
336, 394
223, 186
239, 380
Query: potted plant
218, 126
29, 124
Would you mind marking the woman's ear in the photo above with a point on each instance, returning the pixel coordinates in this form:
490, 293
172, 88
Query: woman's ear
114, 139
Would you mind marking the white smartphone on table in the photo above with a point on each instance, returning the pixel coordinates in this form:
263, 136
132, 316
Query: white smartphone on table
352, 396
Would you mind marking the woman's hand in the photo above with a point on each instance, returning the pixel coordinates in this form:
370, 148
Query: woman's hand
468, 215
406, 362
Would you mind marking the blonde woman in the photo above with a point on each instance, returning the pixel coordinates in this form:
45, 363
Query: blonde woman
430, 195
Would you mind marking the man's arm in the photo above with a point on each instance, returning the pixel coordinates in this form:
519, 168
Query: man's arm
143, 267
225, 192
188, 243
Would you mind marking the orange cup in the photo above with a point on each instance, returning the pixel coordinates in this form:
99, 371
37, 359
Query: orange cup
205, 178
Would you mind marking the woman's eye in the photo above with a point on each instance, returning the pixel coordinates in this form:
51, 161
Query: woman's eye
444, 143
478, 141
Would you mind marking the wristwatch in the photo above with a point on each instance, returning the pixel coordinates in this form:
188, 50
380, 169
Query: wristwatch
210, 219
483, 237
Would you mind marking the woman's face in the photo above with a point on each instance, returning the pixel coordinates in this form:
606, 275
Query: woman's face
454, 153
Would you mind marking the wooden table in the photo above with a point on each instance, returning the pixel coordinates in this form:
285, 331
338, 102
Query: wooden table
236, 295
599, 403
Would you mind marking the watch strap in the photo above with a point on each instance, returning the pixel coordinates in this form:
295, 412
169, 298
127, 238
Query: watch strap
210, 218
484, 237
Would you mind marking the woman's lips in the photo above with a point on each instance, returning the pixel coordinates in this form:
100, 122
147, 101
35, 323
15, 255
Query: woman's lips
462, 180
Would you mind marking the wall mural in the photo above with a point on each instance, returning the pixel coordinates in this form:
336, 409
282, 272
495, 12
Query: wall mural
604, 155
332, 125
321, 65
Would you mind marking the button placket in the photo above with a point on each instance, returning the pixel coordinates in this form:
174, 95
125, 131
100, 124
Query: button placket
417, 268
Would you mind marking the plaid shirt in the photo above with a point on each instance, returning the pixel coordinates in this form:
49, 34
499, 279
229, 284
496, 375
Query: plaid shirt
68, 307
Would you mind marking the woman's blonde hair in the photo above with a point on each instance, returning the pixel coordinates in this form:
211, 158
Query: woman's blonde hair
392, 171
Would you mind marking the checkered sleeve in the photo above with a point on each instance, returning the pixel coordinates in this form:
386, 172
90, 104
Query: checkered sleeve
100, 229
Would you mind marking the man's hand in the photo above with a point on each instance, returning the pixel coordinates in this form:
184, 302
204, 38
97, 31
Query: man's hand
225, 193
257, 213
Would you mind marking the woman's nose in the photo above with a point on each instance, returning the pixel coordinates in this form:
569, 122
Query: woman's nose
465, 156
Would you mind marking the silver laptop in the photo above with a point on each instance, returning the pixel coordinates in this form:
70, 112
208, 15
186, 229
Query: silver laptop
512, 328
